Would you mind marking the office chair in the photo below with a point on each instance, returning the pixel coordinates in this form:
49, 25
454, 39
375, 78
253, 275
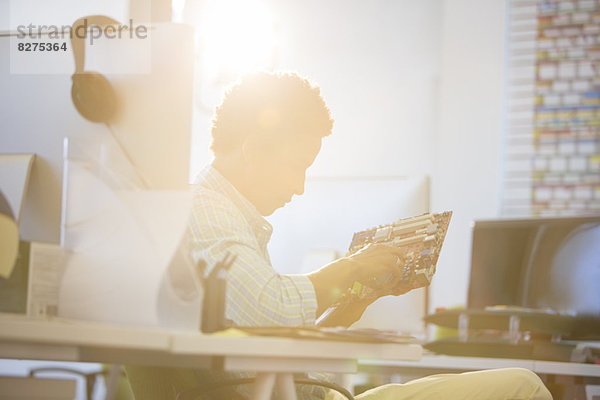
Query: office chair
112, 375
159, 383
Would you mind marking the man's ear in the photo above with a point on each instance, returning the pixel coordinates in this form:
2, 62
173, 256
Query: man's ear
250, 148
256, 147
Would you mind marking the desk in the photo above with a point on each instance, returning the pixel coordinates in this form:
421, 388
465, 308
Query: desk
274, 359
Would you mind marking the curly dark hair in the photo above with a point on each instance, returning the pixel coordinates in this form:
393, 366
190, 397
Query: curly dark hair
269, 103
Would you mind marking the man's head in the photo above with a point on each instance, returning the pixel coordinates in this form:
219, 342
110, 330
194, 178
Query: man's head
266, 133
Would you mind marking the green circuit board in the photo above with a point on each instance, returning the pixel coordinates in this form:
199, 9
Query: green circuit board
421, 238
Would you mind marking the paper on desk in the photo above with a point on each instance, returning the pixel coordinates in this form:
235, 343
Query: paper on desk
46, 263
120, 242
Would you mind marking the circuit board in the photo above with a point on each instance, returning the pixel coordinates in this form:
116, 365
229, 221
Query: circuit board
420, 237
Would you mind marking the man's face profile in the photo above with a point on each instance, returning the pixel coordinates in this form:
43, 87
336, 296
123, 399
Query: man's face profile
276, 168
266, 133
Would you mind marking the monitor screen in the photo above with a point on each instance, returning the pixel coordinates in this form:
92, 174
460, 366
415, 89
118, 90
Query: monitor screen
551, 264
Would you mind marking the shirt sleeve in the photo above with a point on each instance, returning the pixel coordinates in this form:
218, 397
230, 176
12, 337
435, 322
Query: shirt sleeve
256, 294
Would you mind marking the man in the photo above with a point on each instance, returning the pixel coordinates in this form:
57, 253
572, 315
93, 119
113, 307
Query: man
266, 133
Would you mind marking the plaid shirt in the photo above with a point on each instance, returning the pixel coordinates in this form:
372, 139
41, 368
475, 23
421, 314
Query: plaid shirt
223, 221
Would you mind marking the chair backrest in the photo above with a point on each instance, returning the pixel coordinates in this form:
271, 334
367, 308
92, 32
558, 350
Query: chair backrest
19, 387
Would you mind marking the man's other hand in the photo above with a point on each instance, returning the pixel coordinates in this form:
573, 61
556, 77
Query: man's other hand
378, 266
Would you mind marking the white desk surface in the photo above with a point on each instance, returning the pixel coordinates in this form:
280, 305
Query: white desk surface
441, 363
70, 340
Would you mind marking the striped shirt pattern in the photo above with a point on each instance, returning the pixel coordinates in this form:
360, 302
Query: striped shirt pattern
223, 221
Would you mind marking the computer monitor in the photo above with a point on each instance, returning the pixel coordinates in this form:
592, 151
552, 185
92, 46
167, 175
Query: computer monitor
550, 263
318, 226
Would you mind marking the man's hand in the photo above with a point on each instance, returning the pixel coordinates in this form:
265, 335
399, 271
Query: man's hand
347, 314
376, 265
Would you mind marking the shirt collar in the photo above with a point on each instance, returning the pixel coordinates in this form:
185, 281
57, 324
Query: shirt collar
212, 179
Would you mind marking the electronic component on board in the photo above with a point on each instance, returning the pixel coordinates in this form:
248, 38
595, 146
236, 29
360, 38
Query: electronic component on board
421, 237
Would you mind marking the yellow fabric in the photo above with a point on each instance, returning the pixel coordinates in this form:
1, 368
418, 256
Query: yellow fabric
497, 384
231, 332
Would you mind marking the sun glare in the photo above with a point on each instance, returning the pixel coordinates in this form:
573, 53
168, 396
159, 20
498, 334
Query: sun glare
237, 36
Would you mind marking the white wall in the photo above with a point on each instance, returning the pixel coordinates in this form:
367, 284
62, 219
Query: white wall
377, 63
469, 140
